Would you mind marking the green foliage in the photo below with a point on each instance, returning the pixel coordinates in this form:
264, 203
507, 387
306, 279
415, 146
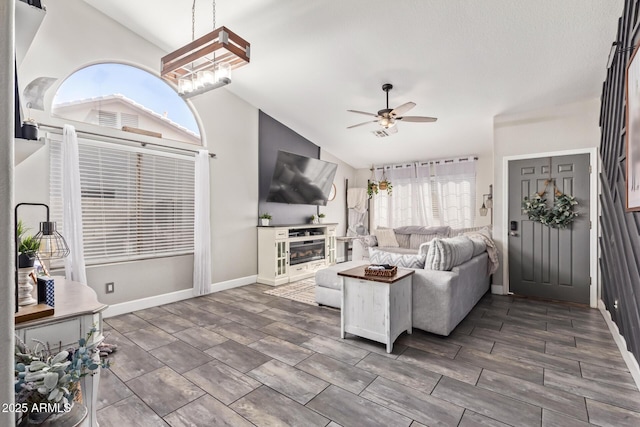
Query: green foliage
44, 376
21, 229
321, 215
560, 215
265, 215
28, 245
372, 189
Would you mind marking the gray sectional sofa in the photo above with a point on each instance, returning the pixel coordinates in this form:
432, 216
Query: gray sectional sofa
409, 238
440, 298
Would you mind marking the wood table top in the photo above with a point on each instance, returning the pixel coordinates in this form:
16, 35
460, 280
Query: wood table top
358, 273
71, 299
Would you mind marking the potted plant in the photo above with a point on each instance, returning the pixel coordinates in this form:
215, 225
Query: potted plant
27, 247
372, 189
321, 218
265, 218
46, 382
314, 219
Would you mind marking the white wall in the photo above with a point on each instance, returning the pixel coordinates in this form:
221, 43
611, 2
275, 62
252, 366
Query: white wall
336, 209
566, 127
7, 263
231, 130
74, 35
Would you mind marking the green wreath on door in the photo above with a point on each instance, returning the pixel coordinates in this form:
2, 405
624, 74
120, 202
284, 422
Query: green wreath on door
560, 215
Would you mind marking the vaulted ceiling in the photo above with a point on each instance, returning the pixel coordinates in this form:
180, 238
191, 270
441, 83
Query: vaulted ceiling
462, 61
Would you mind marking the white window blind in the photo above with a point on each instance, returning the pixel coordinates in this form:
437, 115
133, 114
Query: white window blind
135, 203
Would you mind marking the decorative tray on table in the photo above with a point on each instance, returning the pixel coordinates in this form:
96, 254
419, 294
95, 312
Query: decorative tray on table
384, 270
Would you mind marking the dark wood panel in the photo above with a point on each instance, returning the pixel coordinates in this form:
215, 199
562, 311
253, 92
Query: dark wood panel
620, 237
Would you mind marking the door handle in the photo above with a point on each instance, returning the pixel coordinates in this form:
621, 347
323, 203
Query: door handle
513, 233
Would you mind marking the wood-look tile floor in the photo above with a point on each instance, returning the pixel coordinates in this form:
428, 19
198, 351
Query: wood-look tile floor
241, 358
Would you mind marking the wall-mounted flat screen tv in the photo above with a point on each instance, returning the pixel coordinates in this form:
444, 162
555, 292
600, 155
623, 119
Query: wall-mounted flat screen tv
301, 180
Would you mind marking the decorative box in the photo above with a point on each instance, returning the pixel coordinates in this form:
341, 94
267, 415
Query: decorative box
46, 291
386, 272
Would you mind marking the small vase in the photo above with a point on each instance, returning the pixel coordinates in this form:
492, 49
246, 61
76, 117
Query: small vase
264, 222
30, 130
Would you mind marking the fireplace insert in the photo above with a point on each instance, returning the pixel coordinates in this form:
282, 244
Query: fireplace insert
305, 251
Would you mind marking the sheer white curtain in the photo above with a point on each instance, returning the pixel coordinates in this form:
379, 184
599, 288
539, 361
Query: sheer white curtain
202, 228
455, 183
410, 200
428, 193
74, 265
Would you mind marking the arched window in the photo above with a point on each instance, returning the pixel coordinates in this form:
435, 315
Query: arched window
125, 97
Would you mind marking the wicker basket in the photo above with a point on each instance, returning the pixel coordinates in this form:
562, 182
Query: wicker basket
384, 273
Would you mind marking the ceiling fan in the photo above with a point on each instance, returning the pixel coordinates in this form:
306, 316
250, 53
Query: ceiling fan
387, 117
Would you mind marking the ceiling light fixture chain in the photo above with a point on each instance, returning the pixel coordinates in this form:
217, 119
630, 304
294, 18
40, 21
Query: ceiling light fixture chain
193, 21
213, 14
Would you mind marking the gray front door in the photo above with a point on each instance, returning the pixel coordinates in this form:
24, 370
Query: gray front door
547, 262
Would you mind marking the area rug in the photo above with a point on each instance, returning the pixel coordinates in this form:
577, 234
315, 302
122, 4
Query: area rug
301, 291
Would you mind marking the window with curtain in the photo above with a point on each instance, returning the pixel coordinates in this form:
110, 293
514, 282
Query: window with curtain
136, 203
427, 193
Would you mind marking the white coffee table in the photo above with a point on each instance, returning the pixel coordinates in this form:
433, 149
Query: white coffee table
376, 307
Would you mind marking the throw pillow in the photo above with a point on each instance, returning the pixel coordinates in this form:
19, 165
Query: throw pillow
369, 240
408, 261
479, 245
403, 239
386, 237
444, 254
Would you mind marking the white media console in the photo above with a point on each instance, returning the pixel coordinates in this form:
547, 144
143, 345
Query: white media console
287, 253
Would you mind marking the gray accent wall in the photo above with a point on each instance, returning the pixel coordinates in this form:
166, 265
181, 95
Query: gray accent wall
620, 237
274, 136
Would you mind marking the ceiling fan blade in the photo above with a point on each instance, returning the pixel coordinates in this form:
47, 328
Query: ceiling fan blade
392, 129
362, 112
416, 119
362, 124
398, 111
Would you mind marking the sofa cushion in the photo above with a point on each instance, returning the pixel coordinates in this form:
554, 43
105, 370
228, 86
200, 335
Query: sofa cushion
408, 261
479, 245
399, 250
444, 254
415, 240
421, 229
386, 237
403, 240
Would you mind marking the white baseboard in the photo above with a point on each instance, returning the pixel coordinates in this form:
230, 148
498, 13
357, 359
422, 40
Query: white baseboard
497, 289
234, 283
628, 357
156, 300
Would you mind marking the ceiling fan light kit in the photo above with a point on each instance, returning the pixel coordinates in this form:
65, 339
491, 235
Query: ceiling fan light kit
387, 117
206, 62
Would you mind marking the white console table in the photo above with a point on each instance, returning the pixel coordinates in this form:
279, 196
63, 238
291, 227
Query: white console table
77, 310
287, 253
